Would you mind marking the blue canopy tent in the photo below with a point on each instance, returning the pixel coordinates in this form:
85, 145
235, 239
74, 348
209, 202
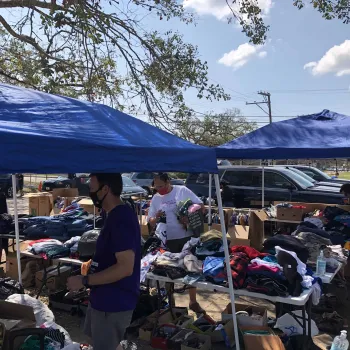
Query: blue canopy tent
42, 132
46, 133
320, 135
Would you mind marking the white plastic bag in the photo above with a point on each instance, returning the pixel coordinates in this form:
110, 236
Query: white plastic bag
290, 326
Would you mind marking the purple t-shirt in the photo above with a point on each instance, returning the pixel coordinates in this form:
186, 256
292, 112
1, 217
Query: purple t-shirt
121, 232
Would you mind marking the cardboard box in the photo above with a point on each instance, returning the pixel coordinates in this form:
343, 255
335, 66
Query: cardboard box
54, 280
205, 339
290, 214
33, 201
12, 266
217, 336
258, 318
256, 228
261, 342
87, 205
64, 192
44, 205
239, 235
14, 317
144, 226
165, 317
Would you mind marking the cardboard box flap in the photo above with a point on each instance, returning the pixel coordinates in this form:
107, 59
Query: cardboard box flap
64, 192
16, 311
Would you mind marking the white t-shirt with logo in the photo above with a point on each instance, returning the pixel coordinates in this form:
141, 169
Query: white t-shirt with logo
168, 204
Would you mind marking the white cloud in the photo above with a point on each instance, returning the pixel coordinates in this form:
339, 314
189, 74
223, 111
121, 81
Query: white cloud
220, 9
336, 61
239, 57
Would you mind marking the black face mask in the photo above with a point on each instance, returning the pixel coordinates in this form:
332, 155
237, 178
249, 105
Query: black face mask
97, 202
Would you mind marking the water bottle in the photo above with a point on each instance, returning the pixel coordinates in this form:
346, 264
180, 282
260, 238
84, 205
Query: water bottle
321, 265
340, 342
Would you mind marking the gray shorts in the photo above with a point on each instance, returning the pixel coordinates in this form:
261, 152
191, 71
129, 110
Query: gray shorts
106, 329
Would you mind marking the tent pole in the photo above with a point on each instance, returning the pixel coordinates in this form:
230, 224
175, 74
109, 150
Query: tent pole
209, 210
263, 186
227, 259
94, 217
140, 209
14, 194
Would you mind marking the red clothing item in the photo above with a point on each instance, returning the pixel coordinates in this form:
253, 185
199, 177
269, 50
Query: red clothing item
249, 251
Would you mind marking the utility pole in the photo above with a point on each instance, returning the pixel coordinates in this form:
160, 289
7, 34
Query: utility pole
267, 101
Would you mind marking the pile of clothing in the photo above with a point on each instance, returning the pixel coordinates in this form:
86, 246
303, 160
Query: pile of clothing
292, 256
281, 273
48, 248
62, 226
326, 232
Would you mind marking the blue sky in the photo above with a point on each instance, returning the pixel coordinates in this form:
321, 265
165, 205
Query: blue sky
296, 38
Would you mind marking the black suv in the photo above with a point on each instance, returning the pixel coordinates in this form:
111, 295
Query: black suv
281, 184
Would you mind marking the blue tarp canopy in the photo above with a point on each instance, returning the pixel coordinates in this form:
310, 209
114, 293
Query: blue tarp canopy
43, 133
321, 135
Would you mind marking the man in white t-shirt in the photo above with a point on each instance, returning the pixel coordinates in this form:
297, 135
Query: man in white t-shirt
165, 201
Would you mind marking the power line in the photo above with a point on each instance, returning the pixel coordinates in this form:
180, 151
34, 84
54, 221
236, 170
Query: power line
267, 100
308, 90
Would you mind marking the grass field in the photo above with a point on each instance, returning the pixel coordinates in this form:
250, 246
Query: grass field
344, 175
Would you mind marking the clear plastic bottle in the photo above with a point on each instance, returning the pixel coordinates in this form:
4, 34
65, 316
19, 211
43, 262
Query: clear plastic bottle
340, 342
321, 265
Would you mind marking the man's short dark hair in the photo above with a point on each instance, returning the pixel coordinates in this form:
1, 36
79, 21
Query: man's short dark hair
113, 180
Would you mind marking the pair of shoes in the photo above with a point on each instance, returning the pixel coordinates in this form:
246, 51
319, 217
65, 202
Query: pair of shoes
195, 307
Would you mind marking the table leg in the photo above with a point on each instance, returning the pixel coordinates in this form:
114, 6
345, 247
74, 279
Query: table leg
304, 320
170, 299
43, 283
309, 304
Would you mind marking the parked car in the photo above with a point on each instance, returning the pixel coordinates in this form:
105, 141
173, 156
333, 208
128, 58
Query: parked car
145, 181
280, 185
319, 175
129, 188
59, 182
307, 177
6, 184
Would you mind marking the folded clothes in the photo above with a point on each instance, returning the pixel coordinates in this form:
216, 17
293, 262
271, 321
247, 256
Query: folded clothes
262, 270
169, 271
266, 285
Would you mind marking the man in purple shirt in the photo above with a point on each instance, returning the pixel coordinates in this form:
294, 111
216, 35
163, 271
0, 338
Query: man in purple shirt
114, 276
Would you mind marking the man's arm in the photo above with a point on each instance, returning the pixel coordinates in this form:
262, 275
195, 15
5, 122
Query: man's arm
123, 268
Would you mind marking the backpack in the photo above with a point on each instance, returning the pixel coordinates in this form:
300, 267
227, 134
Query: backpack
87, 244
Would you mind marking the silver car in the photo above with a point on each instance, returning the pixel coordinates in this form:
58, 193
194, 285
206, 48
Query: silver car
145, 180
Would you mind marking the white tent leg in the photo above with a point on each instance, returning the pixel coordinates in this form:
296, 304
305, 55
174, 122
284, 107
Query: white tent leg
14, 194
263, 186
227, 258
209, 210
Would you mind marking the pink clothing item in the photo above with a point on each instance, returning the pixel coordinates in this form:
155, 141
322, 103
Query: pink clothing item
193, 208
254, 267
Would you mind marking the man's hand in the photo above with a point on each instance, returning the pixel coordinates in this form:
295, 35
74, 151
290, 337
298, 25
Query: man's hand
74, 283
159, 214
